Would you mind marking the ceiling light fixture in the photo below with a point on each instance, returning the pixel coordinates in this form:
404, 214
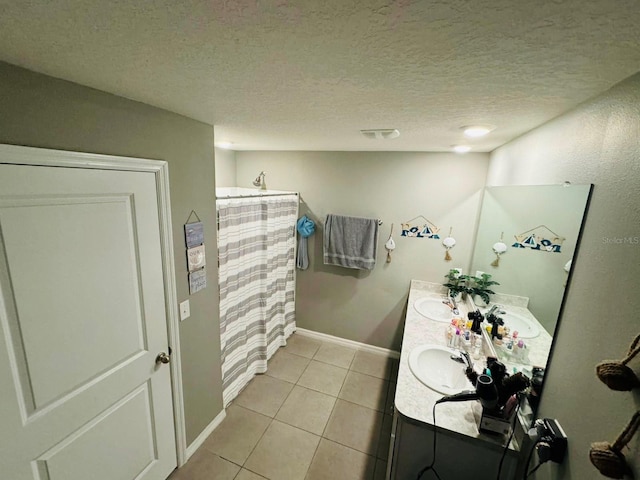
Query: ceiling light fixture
461, 148
225, 145
381, 133
477, 131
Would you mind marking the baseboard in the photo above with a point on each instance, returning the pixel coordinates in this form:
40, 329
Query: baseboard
347, 343
191, 449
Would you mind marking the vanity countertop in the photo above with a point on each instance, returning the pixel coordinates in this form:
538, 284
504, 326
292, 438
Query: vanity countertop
415, 400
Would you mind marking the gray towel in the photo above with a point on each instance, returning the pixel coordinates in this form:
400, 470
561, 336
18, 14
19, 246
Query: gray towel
350, 242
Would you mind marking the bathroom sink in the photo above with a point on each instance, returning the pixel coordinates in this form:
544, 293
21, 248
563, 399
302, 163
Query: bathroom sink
434, 367
517, 323
434, 309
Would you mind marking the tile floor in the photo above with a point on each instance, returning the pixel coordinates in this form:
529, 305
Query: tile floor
322, 411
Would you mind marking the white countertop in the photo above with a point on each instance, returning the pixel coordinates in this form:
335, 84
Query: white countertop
415, 400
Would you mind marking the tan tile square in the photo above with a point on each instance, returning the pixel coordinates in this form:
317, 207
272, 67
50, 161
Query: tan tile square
306, 409
385, 437
247, 475
364, 390
237, 435
284, 452
301, 345
323, 378
286, 366
204, 465
381, 470
376, 365
337, 355
264, 394
334, 461
354, 426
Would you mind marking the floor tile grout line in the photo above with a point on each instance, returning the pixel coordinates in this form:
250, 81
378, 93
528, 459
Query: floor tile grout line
378, 434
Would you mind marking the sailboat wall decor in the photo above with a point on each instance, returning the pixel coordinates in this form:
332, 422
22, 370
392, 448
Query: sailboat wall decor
540, 238
426, 230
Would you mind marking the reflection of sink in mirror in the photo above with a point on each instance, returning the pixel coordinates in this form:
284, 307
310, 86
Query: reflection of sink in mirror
434, 367
434, 309
517, 323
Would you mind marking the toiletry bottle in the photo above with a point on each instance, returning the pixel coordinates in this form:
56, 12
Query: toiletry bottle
450, 334
477, 347
466, 341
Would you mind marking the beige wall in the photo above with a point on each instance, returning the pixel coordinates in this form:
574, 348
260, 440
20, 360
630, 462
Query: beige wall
596, 143
225, 168
41, 111
368, 306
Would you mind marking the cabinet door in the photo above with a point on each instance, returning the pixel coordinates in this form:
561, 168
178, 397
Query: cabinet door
457, 457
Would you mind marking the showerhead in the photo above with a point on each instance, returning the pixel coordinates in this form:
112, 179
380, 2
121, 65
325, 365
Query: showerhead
259, 181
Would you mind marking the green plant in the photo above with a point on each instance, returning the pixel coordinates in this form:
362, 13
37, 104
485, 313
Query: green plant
480, 286
457, 283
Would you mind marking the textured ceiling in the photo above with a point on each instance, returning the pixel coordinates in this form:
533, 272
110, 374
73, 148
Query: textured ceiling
308, 75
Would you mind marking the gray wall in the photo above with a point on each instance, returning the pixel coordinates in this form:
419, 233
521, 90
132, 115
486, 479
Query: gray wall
41, 111
596, 143
368, 306
225, 168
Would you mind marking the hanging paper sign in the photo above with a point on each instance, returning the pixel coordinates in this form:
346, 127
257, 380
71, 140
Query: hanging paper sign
539, 241
424, 231
196, 258
194, 234
197, 281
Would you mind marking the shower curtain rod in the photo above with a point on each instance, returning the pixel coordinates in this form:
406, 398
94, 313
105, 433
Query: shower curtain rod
224, 197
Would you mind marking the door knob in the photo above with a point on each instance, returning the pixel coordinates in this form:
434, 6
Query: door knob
163, 358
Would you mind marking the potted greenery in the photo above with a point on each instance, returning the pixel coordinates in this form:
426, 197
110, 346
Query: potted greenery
480, 289
457, 283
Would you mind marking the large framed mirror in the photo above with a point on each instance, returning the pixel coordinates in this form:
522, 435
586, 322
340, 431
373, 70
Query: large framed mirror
540, 226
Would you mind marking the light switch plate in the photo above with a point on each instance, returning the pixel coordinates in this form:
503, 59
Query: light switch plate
185, 310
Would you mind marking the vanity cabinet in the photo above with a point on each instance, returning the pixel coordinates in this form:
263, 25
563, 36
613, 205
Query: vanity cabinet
458, 457
462, 451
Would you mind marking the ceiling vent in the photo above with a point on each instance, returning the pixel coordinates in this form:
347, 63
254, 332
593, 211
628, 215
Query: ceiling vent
381, 133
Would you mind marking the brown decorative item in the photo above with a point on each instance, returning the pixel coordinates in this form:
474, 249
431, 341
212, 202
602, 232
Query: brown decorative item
607, 458
616, 374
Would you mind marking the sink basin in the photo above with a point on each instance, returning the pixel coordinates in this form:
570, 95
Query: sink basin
517, 323
433, 366
434, 309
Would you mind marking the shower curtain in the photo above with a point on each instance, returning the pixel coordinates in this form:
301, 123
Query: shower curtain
256, 255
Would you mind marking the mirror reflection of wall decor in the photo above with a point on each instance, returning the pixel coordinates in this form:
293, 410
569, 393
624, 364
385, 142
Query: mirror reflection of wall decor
426, 230
499, 248
540, 238
532, 286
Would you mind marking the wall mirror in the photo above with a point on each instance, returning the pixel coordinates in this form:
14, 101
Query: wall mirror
540, 226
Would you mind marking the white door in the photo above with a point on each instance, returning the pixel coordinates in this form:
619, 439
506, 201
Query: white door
82, 320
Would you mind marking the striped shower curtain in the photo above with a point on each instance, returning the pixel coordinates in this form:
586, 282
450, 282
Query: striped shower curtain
256, 253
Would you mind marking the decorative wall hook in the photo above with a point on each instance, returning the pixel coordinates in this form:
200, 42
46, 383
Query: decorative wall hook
616, 374
390, 245
608, 458
448, 243
499, 248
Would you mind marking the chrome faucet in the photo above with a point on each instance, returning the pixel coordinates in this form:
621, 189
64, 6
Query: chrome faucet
455, 306
463, 357
495, 310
